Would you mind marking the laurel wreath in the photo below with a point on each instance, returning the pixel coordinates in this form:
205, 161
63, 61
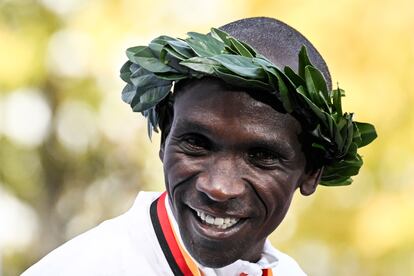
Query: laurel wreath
151, 71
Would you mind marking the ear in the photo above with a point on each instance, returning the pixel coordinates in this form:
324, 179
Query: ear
310, 181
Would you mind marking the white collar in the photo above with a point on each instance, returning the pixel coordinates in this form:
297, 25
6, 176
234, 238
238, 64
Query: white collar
268, 259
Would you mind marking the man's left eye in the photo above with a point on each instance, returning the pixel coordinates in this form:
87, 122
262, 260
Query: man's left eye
264, 158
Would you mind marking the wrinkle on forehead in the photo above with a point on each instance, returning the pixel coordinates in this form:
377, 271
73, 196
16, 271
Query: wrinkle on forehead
211, 97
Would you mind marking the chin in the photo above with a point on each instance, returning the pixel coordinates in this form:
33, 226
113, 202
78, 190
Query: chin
215, 263
214, 259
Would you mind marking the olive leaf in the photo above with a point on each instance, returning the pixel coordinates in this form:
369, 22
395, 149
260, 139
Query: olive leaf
200, 64
204, 45
303, 61
239, 81
144, 57
241, 49
367, 133
240, 65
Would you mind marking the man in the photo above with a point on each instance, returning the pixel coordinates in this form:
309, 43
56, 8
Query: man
239, 135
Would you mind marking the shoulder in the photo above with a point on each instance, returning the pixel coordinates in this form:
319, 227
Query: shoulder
288, 266
105, 249
285, 264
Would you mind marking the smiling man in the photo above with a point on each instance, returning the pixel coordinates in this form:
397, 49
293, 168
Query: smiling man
232, 164
247, 117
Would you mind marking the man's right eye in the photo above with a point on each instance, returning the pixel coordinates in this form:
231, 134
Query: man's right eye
194, 144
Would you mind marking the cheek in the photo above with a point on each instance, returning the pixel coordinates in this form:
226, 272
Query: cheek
178, 168
276, 192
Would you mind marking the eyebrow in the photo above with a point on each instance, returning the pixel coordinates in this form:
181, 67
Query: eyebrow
193, 125
276, 144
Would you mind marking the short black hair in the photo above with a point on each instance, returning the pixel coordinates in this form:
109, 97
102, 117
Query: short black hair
277, 41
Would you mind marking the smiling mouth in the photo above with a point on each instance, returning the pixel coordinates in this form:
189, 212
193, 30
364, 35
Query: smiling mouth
219, 222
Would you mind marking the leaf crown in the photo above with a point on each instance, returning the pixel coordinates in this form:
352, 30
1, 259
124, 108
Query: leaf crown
151, 71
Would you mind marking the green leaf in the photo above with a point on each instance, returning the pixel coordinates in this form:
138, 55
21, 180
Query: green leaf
174, 63
168, 49
271, 77
171, 76
220, 35
139, 71
339, 140
153, 119
128, 93
313, 92
130, 52
326, 104
338, 181
367, 132
285, 94
240, 65
181, 47
161, 40
150, 97
348, 133
319, 113
260, 56
145, 58
239, 81
344, 168
200, 64
205, 45
303, 91
325, 140
240, 48
315, 80
125, 72
142, 78
145, 81
264, 63
149, 81
294, 78
337, 102
149, 129
357, 136
153, 65
251, 49
156, 48
303, 61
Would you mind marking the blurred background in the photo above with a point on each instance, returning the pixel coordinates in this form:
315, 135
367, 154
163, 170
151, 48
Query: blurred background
72, 154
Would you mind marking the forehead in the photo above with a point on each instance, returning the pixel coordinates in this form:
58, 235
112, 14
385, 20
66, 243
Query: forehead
210, 102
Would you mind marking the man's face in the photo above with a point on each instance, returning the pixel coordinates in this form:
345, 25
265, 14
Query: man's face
231, 166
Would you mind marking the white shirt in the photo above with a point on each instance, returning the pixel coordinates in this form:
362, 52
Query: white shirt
127, 245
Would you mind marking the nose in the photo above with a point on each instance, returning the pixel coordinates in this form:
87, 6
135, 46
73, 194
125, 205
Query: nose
222, 180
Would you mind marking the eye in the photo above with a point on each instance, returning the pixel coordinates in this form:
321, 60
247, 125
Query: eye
264, 158
194, 144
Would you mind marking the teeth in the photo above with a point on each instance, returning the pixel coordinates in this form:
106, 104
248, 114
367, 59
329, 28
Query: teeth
209, 219
221, 223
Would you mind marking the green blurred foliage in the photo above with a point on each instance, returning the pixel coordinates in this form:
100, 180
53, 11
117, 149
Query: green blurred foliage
93, 156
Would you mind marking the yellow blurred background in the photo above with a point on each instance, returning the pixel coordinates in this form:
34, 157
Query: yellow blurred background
72, 154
